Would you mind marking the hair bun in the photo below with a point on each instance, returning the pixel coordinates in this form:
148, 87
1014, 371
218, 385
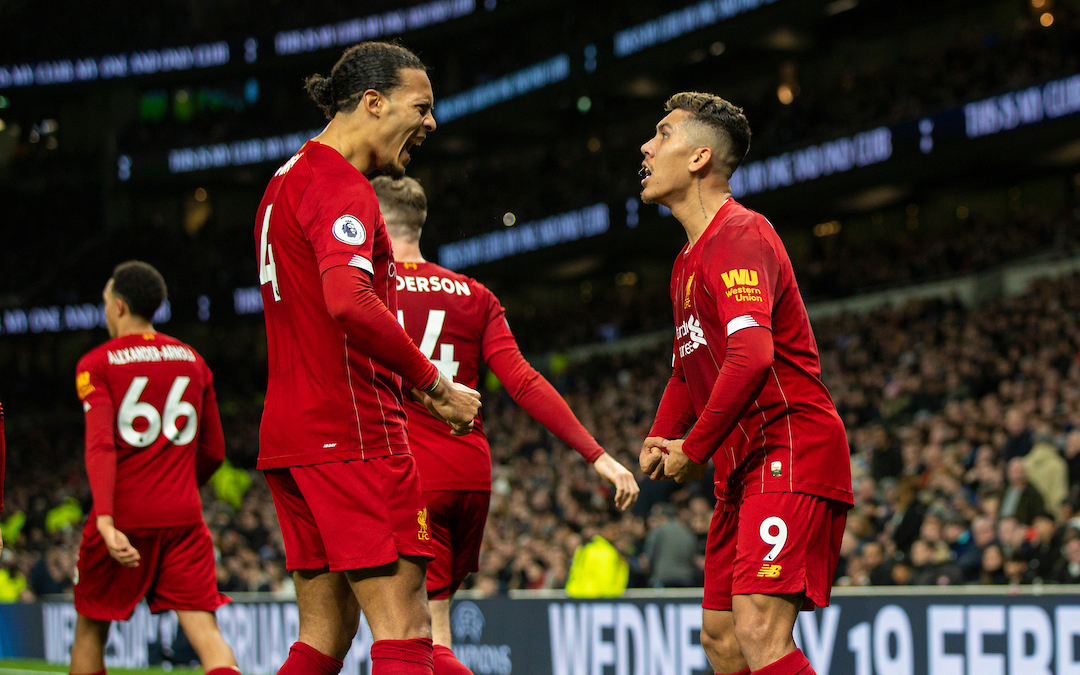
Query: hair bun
321, 90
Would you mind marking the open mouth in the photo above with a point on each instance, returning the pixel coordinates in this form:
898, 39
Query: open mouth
645, 173
409, 145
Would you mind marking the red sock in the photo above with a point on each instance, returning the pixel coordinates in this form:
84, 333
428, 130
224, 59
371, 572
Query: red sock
794, 663
224, 670
100, 672
306, 660
402, 657
447, 664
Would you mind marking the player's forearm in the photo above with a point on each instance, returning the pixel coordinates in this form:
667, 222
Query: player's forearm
675, 414
352, 301
742, 377
536, 395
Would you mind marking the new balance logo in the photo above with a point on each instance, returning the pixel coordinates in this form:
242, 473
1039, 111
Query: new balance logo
740, 278
769, 571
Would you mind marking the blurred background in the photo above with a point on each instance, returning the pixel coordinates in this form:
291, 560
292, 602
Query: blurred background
920, 160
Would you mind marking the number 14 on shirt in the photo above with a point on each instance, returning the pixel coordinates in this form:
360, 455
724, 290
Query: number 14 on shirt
445, 363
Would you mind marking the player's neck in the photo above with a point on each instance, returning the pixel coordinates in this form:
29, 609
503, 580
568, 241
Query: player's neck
406, 250
126, 328
696, 210
349, 144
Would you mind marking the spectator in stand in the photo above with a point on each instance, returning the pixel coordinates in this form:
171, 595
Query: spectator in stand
992, 570
670, 549
1072, 455
1048, 472
1068, 568
1019, 441
1021, 500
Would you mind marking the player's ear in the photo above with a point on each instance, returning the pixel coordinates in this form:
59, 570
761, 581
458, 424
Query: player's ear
699, 159
372, 101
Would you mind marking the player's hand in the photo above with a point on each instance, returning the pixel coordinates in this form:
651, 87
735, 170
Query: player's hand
680, 467
457, 404
651, 459
626, 488
426, 401
117, 542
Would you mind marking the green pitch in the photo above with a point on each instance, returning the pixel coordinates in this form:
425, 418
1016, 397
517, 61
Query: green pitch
25, 666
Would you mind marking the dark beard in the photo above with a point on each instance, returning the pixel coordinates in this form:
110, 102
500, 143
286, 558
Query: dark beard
393, 169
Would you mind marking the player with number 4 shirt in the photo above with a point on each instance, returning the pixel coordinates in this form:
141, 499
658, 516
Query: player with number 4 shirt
153, 436
747, 379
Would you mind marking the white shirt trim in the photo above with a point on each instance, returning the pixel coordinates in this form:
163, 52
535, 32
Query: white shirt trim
363, 263
740, 322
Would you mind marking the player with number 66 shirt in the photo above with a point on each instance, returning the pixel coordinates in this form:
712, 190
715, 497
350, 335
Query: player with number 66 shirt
153, 436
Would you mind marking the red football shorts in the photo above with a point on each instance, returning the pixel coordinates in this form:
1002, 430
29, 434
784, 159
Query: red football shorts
176, 571
457, 523
776, 543
350, 515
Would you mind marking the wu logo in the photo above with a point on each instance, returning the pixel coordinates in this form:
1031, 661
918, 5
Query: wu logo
740, 278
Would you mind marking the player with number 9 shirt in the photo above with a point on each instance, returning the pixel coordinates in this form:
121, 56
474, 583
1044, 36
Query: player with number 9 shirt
746, 377
457, 322
153, 436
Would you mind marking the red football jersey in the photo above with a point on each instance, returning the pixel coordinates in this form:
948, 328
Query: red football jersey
456, 321
148, 400
326, 401
791, 439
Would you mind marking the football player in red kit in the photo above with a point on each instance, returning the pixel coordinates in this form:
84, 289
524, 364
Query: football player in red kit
458, 322
153, 436
333, 441
747, 377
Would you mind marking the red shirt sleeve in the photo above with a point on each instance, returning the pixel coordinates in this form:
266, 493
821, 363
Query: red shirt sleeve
676, 411
742, 377
529, 388
2, 457
93, 389
371, 327
742, 275
211, 449
338, 214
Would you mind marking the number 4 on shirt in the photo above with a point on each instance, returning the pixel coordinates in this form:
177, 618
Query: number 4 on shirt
267, 269
445, 363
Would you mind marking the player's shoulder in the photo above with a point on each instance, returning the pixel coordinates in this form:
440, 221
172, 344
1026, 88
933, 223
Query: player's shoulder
96, 356
738, 224
178, 348
328, 170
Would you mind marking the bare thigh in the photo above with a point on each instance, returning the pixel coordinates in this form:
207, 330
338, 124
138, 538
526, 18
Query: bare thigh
394, 598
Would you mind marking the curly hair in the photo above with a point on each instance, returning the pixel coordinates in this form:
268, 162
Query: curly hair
368, 65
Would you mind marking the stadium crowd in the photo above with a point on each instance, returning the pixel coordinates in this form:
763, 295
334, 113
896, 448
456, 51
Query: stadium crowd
965, 437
